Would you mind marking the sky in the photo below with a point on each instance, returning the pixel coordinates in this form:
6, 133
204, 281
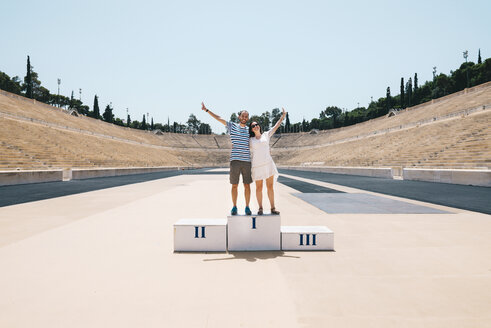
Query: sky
166, 57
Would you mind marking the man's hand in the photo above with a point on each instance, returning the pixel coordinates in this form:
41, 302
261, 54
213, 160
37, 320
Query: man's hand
215, 116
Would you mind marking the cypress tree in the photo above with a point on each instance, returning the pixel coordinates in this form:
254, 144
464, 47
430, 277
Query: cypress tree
402, 92
151, 125
128, 120
479, 60
287, 123
144, 123
108, 114
28, 79
97, 112
388, 100
409, 92
71, 101
415, 81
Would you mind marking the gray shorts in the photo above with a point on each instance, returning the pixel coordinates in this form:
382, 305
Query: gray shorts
240, 167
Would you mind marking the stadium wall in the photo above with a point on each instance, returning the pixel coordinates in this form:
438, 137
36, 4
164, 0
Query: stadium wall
453, 176
38, 176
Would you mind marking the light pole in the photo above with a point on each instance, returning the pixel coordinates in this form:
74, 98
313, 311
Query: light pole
466, 53
58, 97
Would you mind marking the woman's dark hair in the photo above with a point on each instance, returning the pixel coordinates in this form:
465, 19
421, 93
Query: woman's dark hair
251, 133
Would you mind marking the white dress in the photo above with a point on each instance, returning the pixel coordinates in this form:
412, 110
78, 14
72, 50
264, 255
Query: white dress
262, 165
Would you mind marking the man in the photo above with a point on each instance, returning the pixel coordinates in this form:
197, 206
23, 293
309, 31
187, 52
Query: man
240, 157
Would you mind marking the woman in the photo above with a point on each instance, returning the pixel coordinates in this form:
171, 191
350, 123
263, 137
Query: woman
262, 165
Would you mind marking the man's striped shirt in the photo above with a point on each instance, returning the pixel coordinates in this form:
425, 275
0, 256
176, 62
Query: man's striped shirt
240, 142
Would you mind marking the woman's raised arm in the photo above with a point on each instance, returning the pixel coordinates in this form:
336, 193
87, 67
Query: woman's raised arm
277, 125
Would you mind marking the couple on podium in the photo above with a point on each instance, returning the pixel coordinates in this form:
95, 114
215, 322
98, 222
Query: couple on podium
250, 157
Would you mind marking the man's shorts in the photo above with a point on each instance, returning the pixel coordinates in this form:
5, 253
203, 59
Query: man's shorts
240, 167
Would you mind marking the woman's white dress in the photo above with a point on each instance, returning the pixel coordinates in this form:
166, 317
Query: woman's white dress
262, 165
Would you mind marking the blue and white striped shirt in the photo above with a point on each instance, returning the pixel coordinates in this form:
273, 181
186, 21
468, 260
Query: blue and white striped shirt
240, 142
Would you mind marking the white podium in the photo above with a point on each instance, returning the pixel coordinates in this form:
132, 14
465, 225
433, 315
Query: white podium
200, 235
254, 233
307, 238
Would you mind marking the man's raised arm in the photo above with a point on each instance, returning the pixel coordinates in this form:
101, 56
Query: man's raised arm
215, 116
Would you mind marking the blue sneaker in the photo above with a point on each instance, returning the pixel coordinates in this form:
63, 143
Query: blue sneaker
248, 210
234, 210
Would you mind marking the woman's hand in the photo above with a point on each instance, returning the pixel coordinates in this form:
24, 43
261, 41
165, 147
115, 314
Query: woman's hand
203, 107
277, 125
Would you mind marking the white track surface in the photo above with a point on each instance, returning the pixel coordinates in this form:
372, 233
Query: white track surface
105, 259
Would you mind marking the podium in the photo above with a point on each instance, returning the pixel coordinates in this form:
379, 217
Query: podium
307, 238
249, 233
200, 235
254, 233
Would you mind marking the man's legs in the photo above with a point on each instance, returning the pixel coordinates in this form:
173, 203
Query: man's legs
247, 180
234, 194
247, 193
234, 181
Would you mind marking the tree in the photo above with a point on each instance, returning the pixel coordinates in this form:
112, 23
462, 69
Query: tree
287, 123
265, 120
71, 101
135, 125
143, 126
97, 113
204, 128
28, 79
479, 61
402, 93
415, 81
305, 125
118, 121
151, 125
193, 124
10, 84
32, 85
108, 114
388, 99
331, 112
409, 87
275, 116
234, 118
128, 120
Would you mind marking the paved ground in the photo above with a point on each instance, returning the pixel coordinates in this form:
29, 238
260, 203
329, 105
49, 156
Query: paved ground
104, 258
470, 198
465, 197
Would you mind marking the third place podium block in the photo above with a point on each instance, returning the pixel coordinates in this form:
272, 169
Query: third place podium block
307, 238
254, 233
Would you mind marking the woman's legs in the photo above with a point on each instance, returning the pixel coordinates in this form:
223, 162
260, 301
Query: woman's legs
259, 192
269, 186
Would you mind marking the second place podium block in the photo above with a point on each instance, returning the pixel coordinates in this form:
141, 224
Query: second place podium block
200, 235
254, 233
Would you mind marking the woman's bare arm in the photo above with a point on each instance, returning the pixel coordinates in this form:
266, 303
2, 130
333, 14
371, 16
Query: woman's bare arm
277, 125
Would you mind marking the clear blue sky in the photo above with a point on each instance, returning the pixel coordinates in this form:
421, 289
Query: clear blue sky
165, 57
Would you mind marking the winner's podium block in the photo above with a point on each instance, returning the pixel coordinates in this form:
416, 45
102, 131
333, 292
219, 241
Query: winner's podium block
307, 238
254, 233
200, 235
